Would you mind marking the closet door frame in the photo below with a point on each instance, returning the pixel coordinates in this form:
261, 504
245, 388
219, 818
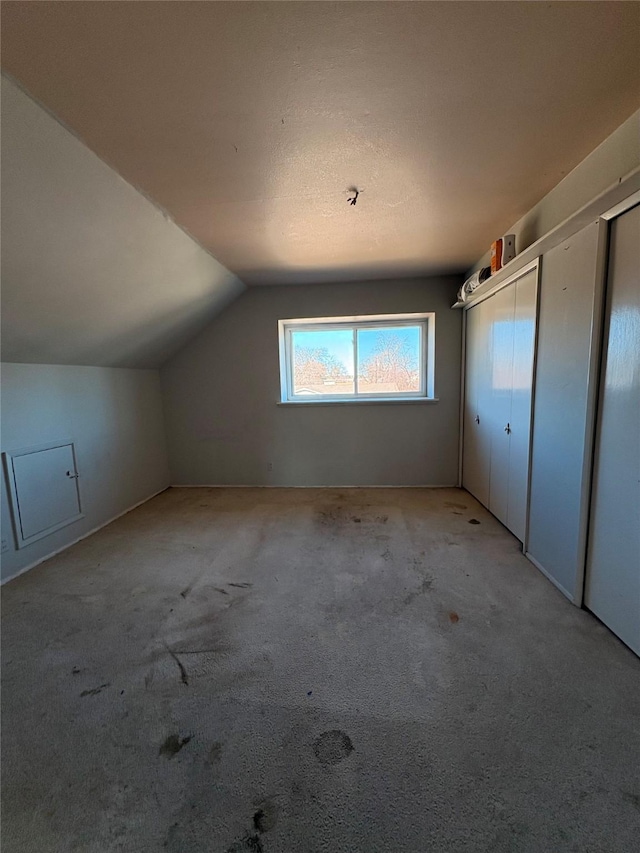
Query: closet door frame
463, 398
536, 265
477, 435
595, 377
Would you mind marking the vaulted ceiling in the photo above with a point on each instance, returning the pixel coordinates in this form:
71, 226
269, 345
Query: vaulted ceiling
92, 272
250, 122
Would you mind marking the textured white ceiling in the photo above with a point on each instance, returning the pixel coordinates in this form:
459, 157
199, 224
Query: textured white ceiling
249, 122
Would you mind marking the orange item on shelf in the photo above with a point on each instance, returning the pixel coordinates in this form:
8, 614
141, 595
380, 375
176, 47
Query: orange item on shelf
496, 256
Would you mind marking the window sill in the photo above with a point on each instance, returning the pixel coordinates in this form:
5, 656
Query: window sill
401, 401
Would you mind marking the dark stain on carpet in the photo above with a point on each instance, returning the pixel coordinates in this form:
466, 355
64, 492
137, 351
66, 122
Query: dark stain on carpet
266, 817
215, 752
173, 744
425, 586
332, 515
251, 843
473, 521
95, 690
332, 747
184, 678
339, 515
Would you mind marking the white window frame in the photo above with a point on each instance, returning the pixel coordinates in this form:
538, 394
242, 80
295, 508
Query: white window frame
426, 322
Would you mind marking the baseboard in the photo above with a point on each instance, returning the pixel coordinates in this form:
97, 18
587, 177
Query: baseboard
262, 486
80, 538
549, 577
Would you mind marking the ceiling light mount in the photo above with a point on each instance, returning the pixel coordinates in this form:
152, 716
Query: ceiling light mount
354, 199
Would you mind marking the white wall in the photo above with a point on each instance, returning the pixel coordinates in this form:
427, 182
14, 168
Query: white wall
92, 271
607, 165
220, 398
114, 416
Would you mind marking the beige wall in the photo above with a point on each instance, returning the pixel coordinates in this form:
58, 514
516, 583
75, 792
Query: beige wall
114, 417
220, 398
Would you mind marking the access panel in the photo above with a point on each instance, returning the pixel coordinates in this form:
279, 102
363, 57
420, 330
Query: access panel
43, 484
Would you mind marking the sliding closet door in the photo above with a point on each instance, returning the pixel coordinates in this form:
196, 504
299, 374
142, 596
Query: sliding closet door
524, 331
612, 589
477, 443
502, 308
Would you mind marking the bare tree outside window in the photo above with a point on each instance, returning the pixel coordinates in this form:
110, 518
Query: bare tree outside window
313, 366
392, 366
323, 362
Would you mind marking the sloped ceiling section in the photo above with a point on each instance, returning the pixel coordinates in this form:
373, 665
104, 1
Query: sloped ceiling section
250, 121
92, 272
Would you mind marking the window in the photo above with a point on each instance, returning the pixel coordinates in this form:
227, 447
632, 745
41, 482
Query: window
340, 359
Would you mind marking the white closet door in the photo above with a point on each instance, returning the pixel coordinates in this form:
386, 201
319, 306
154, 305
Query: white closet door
524, 330
477, 445
500, 384
612, 589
